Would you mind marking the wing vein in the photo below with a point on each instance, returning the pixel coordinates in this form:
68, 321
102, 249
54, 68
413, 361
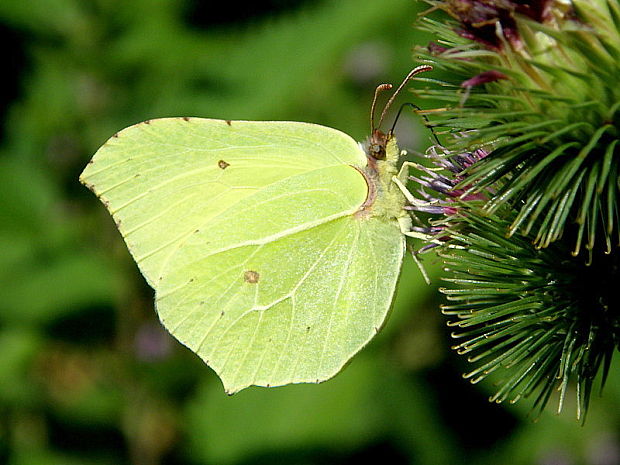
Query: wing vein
336, 297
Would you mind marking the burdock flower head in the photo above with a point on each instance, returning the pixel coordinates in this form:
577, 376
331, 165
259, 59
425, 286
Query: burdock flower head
528, 232
479, 19
545, 104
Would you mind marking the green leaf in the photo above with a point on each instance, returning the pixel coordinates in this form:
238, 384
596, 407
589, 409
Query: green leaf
370, 402
19, 348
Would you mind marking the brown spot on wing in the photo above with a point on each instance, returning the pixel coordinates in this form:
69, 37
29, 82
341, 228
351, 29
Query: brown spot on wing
222, 164
251, 277
229, 122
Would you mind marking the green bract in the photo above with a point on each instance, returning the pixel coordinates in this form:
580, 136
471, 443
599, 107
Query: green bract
535, 84
273, 247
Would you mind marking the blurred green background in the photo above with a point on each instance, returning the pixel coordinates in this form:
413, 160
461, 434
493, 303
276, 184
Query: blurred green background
88, 376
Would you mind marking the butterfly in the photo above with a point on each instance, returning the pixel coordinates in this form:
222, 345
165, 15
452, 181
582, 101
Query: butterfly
273, 248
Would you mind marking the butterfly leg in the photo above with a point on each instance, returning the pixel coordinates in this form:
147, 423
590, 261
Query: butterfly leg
401, 179
406, 221
407, 229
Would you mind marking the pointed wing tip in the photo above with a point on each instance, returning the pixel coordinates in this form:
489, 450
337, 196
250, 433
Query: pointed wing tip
232, 389
84, 173
84, 179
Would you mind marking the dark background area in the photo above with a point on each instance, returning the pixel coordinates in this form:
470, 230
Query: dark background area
87, 374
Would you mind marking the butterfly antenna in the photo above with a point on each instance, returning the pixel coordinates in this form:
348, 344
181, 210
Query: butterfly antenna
417, 110
380, 88
413, 72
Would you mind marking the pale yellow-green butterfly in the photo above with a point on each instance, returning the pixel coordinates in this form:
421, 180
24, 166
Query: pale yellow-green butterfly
273, 247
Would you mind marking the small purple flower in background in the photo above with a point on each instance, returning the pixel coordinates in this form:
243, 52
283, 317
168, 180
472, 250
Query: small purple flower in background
435, 48
152, 343
484, 78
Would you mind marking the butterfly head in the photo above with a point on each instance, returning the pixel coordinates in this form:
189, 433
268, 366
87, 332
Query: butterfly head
377, 143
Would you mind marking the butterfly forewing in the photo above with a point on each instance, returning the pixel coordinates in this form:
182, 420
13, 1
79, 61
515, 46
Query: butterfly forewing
164, 179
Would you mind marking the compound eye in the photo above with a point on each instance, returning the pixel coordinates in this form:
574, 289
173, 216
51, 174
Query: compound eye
377, 151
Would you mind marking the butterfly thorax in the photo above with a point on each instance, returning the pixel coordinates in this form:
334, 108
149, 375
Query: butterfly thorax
384, 197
